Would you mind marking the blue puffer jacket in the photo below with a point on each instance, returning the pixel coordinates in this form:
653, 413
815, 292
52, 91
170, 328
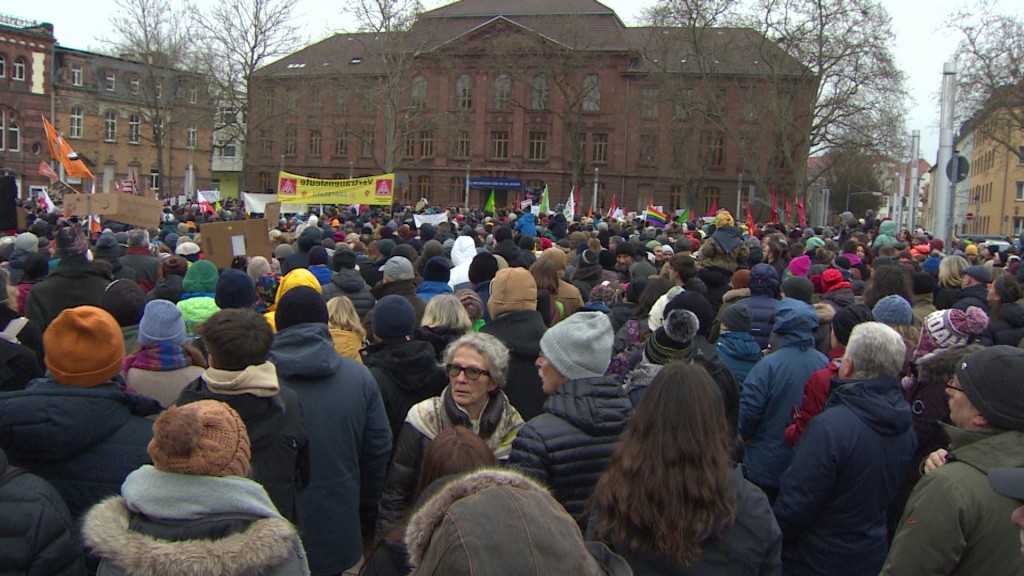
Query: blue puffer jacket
764, 298
739, 351
84, 441
846, 471
430, 288
774, 389
349, 442
568, 447
527, 225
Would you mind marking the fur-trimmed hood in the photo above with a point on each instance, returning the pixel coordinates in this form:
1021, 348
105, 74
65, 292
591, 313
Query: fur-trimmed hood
825, 313
502, 523
267, 546
736, 294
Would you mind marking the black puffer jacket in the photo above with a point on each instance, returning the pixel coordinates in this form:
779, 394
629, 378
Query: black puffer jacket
568, 447
976, 295
1007, 325
38, 532
277, 435
512, 254
348, 282
521, 332
718, 282
406, 374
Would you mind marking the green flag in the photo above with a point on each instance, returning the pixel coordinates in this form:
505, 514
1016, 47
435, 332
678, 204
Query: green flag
489, 206
544, 201
684, 216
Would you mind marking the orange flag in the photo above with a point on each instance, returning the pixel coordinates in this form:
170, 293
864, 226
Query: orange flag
61, 151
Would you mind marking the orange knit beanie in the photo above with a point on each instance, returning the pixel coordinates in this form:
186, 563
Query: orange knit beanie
84, 347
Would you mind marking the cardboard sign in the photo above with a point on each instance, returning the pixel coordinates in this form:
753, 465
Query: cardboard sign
223, 241
116, 206
272, 212
22, 221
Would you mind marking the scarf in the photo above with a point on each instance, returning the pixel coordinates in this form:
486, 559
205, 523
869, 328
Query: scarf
161, 357
258, 380
167, 495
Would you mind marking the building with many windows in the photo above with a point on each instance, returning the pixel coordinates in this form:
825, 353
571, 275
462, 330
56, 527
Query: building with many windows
556, 92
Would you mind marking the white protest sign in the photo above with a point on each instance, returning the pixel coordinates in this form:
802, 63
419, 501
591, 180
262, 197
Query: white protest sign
433, 219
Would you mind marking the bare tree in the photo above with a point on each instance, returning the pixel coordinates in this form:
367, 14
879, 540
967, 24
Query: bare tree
990, 74
155, 34
235, 38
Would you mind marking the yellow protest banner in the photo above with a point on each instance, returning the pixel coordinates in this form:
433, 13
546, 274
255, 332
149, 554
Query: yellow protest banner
295, 189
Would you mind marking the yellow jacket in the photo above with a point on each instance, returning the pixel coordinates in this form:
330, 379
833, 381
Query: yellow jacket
347, 344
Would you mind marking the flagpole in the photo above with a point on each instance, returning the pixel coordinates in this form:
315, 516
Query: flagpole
467, 188
593, 204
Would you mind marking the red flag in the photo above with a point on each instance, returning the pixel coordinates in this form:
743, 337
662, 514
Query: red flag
714, 208
45, 170
750, 220
775, 209
801, 214
789, 209
61, 151
611, 209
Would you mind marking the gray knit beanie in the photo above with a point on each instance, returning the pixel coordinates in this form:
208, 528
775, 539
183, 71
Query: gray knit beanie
579, 346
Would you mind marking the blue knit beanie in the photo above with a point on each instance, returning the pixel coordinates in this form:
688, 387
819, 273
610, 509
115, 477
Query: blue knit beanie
393, 318
235, 289
161, 324
893, 310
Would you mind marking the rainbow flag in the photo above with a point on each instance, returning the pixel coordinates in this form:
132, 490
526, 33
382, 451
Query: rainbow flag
654, 217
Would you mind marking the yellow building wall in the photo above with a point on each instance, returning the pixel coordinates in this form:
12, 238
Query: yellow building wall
996, 175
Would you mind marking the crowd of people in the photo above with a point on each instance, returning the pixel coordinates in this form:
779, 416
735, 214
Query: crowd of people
510, 394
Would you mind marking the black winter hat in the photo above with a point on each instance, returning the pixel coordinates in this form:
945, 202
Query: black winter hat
697, 304
738, 318
437, 269
483, 268
502, 233
344, 258
235, 289
799, 288
310, 237
982, 375
318, 256
848, 317
300, 305
922, 283
124, 300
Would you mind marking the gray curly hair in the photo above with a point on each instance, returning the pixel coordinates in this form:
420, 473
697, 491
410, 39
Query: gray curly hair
493, 350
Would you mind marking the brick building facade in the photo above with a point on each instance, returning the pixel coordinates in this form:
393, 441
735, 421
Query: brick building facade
559, 92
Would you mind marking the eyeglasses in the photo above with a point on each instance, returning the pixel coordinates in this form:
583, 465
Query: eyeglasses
472, 373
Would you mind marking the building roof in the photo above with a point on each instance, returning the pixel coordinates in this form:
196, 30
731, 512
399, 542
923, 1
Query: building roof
724, 51
357, 52
490, 8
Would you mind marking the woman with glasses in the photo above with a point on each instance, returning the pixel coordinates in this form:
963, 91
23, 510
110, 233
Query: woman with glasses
476, 365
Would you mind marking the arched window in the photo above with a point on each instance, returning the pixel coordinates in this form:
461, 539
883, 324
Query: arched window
110, 126
75, 126
418, 94
539, 92
3, 66
464, 92
13, 136
502, 91
18, 70
591, 93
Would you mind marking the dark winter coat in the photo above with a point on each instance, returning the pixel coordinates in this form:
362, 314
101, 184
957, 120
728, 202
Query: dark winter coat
16, 266
404, 288
584, 278
168, 288
38, 533
774, 389
349, 440
839, 298
521, 332
74, 282
945, 297
762, 310
568, 447
622, 312
84, 441
30, 336
512, 254
348, 282
718, 281
369, 270
751, 547
739, 351
1006, 325
846, 470
406, 373
277, 437
145, 266
558, 226
438, 338
976, 295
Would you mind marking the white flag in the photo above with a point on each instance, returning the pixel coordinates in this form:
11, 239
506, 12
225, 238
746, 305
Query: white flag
570, 205
47, 202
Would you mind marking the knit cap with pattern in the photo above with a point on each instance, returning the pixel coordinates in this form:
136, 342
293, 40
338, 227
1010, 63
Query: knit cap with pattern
84, 347
952, 328
579, 346
674, 339
204, 438
893, 310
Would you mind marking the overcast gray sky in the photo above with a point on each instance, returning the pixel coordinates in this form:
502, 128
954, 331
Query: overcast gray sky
921, 46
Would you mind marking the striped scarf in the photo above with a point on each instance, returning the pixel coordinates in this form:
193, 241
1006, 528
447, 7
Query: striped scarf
162, 357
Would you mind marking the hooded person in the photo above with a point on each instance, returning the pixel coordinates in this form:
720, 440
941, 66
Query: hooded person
462, 254
74, 281
516, 322
405, 369
763, 300
773, 389
238, 342
481, 271
311, 236
841, 529
346, 281
453, 531
436, 274
568, 295
584, 416
349, 436
725, 248
198, 301
77, 428
294, 279
194, 511
886, 236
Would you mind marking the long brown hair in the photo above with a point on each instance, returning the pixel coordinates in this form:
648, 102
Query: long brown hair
454, 450
668, 487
